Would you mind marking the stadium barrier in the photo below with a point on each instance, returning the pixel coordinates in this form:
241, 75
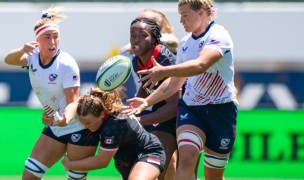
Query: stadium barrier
270, 143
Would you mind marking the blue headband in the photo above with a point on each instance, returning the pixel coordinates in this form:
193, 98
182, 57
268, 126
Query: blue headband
46, 15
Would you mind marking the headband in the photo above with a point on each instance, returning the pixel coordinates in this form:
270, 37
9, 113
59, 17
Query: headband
46, 27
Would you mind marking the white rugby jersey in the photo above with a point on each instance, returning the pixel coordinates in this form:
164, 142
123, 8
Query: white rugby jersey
48, 83
216, 85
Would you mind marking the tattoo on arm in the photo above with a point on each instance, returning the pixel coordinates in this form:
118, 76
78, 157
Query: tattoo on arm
165, 89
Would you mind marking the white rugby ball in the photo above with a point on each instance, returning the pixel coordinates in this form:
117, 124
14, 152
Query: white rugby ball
113, 73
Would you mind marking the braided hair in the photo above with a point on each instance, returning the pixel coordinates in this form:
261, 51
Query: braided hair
155, 29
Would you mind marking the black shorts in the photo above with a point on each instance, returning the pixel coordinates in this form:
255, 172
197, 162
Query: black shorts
154, 155
81, 138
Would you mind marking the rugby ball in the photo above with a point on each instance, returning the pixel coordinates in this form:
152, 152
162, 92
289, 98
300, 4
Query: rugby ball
113, 73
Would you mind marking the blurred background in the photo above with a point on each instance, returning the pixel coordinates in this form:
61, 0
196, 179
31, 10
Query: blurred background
269, 64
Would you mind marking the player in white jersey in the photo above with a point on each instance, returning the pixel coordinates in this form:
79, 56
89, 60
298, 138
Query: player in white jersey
207, 112
55, 79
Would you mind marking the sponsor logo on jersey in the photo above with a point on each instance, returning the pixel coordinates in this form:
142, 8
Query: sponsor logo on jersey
185, 116
224, 143
155, 125
184, 48
75, 137
32, 69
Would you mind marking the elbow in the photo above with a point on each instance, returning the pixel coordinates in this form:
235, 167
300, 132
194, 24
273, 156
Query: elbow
102, 165
7, 61
201, 68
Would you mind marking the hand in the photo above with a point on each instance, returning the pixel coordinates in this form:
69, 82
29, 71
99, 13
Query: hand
153, 75
136, 106
29, 47
47, 120
60, 123
65, 162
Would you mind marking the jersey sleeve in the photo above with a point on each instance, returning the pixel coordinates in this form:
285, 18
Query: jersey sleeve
220, 40
111, 135
178, 53
71, 74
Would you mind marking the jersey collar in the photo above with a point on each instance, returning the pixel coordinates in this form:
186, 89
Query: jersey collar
52, 61
203, 34
149, 64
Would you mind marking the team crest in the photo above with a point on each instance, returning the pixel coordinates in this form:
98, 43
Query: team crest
201, 44
53, 77
75, 137
224, 143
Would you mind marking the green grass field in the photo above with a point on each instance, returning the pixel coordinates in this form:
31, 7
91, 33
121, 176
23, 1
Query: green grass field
115, 178
269, 146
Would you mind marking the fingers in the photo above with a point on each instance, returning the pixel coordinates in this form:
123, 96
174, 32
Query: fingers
151, 83
154, 61
135, 111
145, 71
129, 110
132, 108
65, 162
28, 48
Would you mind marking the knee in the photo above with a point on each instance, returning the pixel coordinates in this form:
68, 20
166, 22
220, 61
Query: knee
190, 146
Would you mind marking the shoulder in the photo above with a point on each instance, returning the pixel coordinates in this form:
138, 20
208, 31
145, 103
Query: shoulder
166, 57
66, 59
186, 37
112, 125
219, 30
66, 56
34, 56
218, 35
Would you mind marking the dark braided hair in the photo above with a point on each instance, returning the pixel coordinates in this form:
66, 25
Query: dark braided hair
155, 29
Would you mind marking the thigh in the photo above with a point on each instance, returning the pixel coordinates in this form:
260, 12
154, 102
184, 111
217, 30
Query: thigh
220, 127
48, 150
143, 170
82, 144
75, 152
168, 142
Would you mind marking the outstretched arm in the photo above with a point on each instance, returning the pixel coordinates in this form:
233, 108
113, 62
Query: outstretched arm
17, 56
169, 87
99, 161
165, 113
207, 58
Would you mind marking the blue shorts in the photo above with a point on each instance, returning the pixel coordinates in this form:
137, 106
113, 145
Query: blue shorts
167, 126
81, 138
217, 121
